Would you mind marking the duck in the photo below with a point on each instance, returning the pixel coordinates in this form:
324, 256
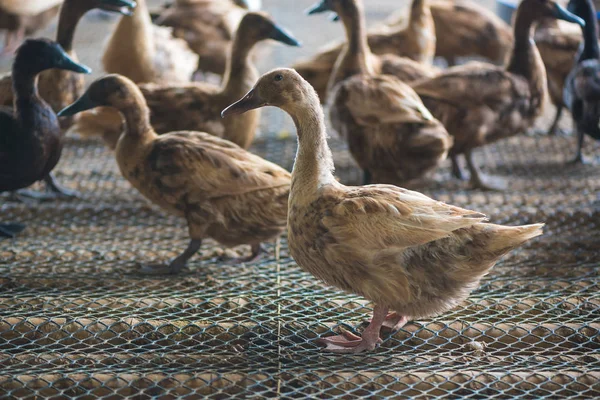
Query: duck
558, 45
412, 256
21, 18
582, 88
30, 136
414, 41
464, 28
208, 27
144, 52
481, 103
197, 105
223, 191
57, 87
390, 133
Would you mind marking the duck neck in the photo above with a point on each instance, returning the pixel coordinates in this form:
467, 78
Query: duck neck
137, 120
590, 33
313, 167
24, 84
524, 49
67, 23
357, 55
240, 72
419, 13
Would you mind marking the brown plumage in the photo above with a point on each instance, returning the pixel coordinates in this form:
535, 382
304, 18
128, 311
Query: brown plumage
19, 23
58, 87
391, 134
480, 103
558, 45
197, 106
464, 28
415, 42
223, 191
208, 26
144, 52
398, 248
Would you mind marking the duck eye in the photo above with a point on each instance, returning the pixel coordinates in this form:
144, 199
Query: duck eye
278, 77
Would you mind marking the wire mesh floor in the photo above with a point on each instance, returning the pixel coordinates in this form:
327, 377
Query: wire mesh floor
77, 321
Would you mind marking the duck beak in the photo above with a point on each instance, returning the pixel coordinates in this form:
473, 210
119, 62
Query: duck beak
281, 35
82, 104
249, 102
318, 8
67, 63
124, 7
561, 13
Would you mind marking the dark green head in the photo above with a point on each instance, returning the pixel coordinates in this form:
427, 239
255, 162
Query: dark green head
37, 55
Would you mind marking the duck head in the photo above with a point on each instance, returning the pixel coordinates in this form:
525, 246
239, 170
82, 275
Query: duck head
111, 90
257, 26
582, 8
80, 7
537, 10
37, 55
339, 8
283, 88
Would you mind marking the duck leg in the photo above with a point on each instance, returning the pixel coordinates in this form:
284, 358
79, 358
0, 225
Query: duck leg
57, 189
177, 264
554, 130
579, 158
257, 251
10, 230
348, 342
457, 171
367, 177
479, 180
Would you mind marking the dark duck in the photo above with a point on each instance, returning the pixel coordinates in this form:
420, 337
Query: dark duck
582, 88
30, 136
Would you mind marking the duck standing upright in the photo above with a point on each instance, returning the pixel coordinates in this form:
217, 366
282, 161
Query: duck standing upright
399, 249
30, 136
480, 103
196, 106
582, 88
415, 40
223, 191
391, 134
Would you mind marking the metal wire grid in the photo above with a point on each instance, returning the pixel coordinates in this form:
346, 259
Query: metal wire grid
76, 321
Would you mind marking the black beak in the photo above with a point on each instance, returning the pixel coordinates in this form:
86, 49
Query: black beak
249, 102
67, 63
561, 13
281, 35
124, 7
82, 104
318, 8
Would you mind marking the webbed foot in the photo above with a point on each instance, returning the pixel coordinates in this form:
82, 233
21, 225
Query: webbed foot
10, 230
350, 343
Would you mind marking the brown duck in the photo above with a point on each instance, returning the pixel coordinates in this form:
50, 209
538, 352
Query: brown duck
480, 103
400, 249
415, 40
20, 18
30, 137
223, 191
391, 134
197, 106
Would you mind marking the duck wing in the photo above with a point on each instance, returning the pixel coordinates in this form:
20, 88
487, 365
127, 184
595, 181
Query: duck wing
381, 99
586, 81
206, 167
384, 217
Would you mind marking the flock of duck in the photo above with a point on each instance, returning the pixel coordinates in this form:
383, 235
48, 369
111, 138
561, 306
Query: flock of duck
182, 144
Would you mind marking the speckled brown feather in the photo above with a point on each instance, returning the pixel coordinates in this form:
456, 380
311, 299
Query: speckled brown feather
397, 248
480, 103
223, 191
389, 131
415, 41
465, 29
